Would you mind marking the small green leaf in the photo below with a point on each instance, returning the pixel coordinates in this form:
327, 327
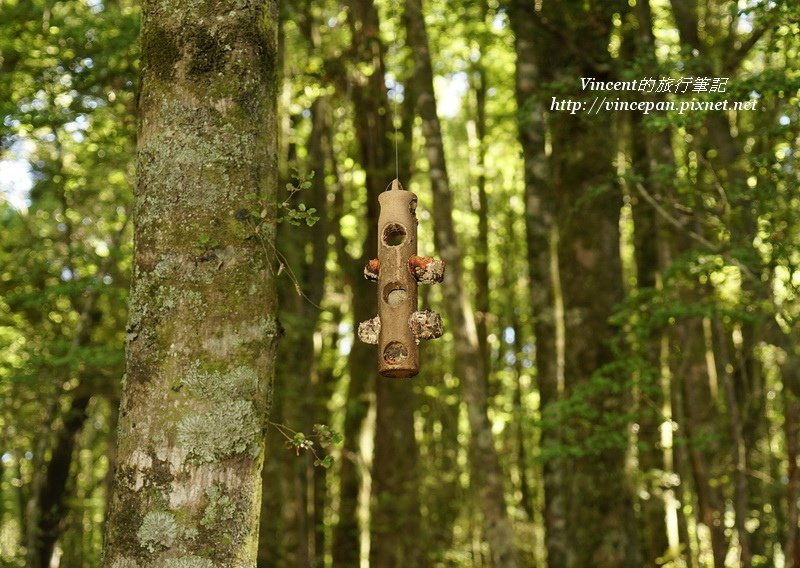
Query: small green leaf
326, 462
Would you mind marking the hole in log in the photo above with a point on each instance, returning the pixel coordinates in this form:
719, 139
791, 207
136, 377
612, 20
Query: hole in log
394, 294
394, 235
395, 353
412, 206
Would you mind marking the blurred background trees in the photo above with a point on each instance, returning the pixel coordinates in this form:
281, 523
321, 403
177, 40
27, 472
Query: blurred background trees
619, 382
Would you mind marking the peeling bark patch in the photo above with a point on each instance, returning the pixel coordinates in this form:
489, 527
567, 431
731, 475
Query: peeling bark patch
189, 562
123, 562
157, 531
231, 338
228, 429
160, 473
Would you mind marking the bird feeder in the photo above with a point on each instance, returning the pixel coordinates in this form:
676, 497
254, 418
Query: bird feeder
399, 326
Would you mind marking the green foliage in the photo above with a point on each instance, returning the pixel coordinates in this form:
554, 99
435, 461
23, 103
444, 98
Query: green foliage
299, 214
287, 210
322, 435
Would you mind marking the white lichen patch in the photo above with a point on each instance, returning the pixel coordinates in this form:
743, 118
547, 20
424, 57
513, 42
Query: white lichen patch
123, 562
368, 331
241, 382
228, 429
189, 562
190, 533
220, 507
231, 337
157, 531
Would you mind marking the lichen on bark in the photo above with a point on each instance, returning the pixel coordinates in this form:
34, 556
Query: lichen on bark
229, 428
189, 562
157, 531
240, 382
202, 327
220, 507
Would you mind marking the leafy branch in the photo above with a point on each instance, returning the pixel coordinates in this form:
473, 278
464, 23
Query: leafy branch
285, 211
258, 217
326, 438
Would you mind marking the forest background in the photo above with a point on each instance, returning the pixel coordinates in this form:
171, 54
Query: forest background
619, 380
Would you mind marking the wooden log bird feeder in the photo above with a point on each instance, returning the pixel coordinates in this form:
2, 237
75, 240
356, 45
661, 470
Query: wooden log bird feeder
398, 327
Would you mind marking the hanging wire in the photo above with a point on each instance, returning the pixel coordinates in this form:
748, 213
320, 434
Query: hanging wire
393, 51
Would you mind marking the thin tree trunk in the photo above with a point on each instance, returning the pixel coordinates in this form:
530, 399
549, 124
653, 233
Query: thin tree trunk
650, 398
482, 308
486, 474
698, 418
792, 409
372, 112
539, 231
395, 521
202, 328
53, 494
739, 457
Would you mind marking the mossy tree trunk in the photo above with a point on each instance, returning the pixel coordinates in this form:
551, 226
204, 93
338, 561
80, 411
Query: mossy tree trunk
202, 327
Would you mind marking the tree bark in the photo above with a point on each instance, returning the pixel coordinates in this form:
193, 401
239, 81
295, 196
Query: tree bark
739, 456
368, 92
599, 509
651, 399
539, 232
486, 474
53, 494
698, 421
791, 548
395, 520
202, 328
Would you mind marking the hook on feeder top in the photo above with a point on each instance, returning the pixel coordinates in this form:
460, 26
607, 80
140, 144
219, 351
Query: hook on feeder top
399, 326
